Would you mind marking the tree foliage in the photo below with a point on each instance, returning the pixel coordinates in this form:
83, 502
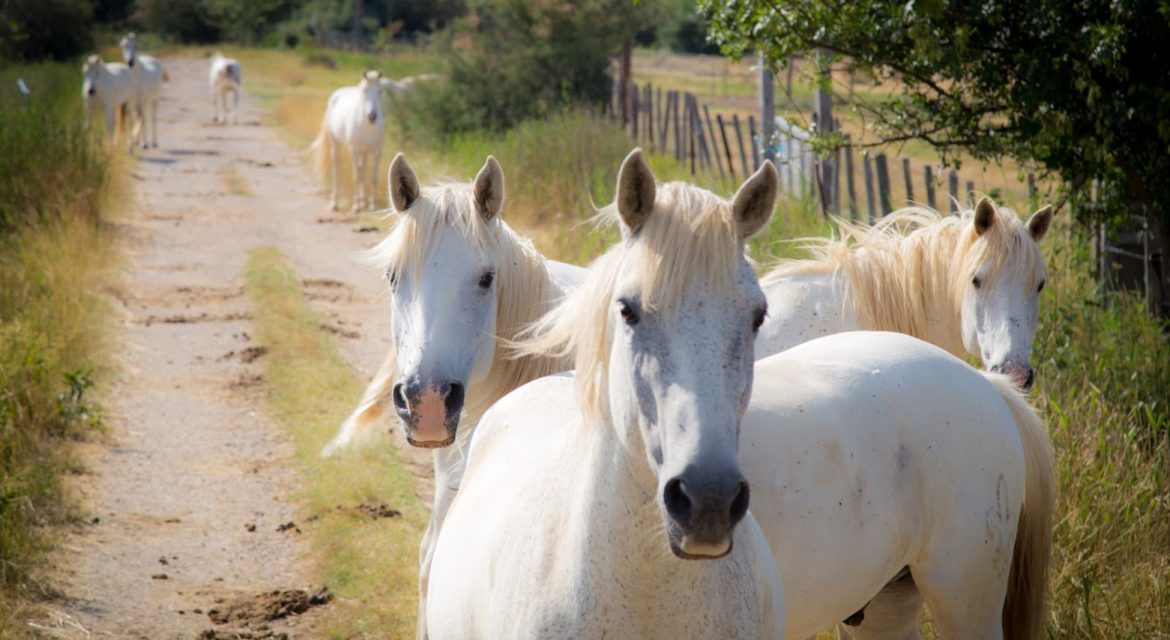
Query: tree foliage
40, 29
1079, 88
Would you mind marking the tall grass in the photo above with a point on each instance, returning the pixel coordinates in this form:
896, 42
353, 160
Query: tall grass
54, 257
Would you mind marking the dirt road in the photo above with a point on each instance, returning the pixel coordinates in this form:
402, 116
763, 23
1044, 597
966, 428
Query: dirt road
183, 509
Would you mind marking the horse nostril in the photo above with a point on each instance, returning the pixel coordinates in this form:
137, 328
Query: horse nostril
91, 92
739, 504
453, 401
399, 399
677, 502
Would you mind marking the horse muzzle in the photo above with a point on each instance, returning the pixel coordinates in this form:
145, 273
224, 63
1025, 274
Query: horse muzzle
702, 511
372, 117
430, 413
1021, 375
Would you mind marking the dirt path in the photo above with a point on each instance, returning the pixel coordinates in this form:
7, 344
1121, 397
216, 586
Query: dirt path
184, 507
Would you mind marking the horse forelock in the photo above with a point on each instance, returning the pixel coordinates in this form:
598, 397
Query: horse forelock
690, 234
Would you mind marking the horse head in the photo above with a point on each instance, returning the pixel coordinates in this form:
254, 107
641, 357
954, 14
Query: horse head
371, 90
1001, 299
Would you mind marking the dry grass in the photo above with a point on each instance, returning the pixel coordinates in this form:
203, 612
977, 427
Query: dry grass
369, 564
234, 182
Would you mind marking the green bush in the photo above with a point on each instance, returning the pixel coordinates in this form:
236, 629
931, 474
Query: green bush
40, 29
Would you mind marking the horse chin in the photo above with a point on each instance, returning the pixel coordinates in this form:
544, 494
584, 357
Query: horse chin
430, 444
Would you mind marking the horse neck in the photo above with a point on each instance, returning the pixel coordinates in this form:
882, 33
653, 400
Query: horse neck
909, 288
508, 373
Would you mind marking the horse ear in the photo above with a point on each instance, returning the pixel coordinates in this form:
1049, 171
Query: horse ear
636, 191
489, 189
403, 183
984, 215
1039, 222
753, 204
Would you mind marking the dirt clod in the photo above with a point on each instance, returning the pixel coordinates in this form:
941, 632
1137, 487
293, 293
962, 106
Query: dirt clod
254, 611
288, 526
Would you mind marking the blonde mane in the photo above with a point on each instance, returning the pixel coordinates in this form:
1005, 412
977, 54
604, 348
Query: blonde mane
524, 291
912, 267
690, 232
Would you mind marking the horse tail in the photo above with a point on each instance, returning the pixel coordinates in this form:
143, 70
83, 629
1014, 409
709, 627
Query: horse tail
322, 146
1024, 607
357, 428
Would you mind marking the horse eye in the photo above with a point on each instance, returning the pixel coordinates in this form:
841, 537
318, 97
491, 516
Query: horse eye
392, 276
628, 314
485, 281
758, 320
976, 282
1041, 287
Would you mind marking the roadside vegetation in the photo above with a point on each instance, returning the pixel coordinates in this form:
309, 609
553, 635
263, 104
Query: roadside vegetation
55, 262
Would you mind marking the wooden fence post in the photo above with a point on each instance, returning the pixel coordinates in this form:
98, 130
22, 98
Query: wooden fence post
836, 191
739, 139
679, 149
850, 186
704, 152
634, 100
870, 200
883, 180
662, 116
953, 188
970, 194
650, 117
714, 142
753, 133
928, 183
908, 178
726, 146
690, 129
1032, 191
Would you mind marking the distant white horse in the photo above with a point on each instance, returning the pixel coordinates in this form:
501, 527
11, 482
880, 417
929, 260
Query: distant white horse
353, 118
460, 281
571, 501
148, 83
876, 461
224, 77
968, 284
108, 88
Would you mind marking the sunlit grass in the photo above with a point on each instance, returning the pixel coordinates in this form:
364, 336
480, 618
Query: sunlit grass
369, 564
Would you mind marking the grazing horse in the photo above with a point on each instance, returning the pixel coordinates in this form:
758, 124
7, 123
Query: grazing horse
148, 83
969, 284
607, 505
108, 87
224, 77
460, 281
353, 118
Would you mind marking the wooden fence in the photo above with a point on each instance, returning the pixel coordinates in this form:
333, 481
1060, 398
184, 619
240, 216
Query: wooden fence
729, 147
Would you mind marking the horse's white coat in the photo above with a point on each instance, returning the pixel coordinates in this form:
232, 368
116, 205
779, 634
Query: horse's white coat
148, 84
868, 452
224, 77
451, 243
106, 87
919, 283
353, 118
564, 518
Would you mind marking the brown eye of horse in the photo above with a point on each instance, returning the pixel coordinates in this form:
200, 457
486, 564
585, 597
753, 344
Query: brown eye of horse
486, 280
628, 314
758, 320
976, 282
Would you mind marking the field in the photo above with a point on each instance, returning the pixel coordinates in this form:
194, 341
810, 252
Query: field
263, 233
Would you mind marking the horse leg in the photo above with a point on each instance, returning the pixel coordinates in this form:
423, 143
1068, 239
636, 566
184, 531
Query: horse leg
359, 187
375, 162
235, 106
965, 593
154, 123
448, 463
891, 615
329, 142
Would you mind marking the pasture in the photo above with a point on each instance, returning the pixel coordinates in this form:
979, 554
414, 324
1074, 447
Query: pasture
229, 247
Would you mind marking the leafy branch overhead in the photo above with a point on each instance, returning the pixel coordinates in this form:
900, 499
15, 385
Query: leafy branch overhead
1078, 88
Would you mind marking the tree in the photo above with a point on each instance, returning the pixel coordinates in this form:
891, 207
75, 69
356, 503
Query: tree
1078, 88
39, 29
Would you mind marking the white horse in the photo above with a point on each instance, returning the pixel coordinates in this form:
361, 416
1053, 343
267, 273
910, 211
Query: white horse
148, 83
569, 504
460, 280
108, 88
968, 284
353, 118
224, 77
876, 462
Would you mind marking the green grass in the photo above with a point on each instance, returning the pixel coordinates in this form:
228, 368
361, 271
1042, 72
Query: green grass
370, 565
55, 261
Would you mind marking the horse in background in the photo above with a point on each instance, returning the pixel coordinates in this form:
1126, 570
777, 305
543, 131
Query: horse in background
225, 77
969, 284
353, 118
149, 76
109, 88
